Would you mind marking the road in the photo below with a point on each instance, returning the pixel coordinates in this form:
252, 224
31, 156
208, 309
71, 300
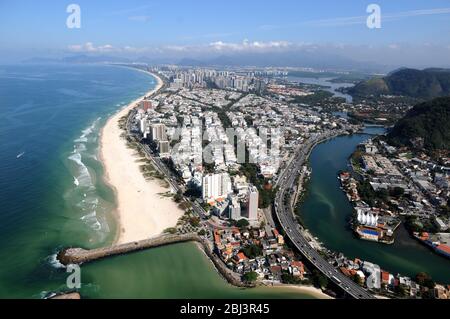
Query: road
285, 215
168, 174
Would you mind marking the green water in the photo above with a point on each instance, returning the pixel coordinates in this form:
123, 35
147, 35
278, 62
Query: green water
54, 195
326, 210
177, 271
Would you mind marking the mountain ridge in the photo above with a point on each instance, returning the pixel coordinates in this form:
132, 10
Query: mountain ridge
423, 84
426, 125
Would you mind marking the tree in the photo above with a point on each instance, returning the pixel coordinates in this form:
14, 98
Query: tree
171, 230
202, 232
323, 281
427, 122
402, 290
252, 251
242, 223
250, 276
193, 192
446, 210
194, 221
319, 279
356, 278
382, 194
290, 279
425, 280
396, 192
411, 224
178, 197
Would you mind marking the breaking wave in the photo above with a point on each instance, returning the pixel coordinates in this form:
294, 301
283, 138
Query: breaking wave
84, 194
84, 178
88, 131
54, 262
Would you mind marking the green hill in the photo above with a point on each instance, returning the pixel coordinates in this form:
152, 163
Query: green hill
426, 124
422, 84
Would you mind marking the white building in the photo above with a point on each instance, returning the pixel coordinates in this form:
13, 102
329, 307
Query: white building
234, 209
367, 218
163, 148
373, 273
252, 203
440, 224
216, 187
144, 127
158, 132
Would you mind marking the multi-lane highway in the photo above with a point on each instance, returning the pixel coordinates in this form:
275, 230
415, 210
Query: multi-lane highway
285, 215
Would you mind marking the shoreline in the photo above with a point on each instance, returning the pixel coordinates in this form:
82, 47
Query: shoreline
82, 256
140, 211
129, 228
309, 290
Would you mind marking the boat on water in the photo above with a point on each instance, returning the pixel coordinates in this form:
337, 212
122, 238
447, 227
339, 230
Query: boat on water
439, 242
20, 155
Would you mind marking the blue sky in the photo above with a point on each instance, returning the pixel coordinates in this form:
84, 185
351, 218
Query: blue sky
175, 27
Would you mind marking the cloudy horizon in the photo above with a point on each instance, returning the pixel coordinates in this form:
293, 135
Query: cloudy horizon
406, 36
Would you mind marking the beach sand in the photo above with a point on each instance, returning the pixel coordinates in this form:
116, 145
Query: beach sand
310, 290
141, 211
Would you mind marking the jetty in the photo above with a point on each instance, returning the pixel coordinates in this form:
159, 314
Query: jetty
79, 255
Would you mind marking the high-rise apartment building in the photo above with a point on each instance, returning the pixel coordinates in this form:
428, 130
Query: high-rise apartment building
234, 209
158, 132
252, 203
216, 187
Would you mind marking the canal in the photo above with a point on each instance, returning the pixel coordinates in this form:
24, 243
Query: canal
326, 210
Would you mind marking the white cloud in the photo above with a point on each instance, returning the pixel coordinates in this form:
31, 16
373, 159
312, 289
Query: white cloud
415, 13
129, 49
401, 54
336, 22
139, 18
217, 46
246, 45
355, 20
91, 48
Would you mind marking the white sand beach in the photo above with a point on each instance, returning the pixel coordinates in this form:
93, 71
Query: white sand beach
142, 212
310, 290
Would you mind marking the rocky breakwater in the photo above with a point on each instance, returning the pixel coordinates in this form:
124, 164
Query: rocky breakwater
79, 255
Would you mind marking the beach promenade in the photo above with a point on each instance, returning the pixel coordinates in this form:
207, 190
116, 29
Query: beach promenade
141, 210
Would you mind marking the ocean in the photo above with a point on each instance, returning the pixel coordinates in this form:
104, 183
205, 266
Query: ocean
52, 193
